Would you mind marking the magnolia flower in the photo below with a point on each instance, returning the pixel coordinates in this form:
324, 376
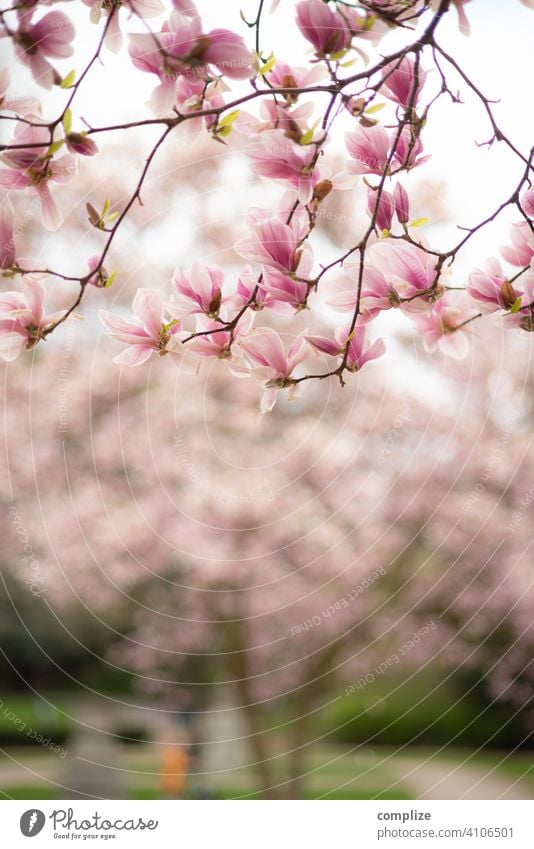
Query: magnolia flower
183, 49
384, 209
23, 320
490, 288
230, 55
523, 318
527, 202
283, 292
21, 105
142, 8
150, 331
274, 244
81, 143
323, 28
218, 343
190, 96
412, 269
265, 348
408, 153
199, 290
286, 76
362, 23
369, 148
377, 293
277, 157
31, 168
402, 204
247, 291
352, 343
7, 227
439, 329
50, 36
399, 82
521, 251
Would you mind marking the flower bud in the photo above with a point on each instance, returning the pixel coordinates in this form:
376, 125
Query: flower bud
322, 190
402, 204
80, 143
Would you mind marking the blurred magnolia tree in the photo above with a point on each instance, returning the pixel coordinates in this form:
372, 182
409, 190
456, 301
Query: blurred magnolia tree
293, 561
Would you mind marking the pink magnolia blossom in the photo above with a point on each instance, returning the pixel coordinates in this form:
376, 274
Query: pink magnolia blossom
438, 327
273, 244
524, 317
21, 105
183, 49
229, 54
30, 168
369, 149
377, 293
190, 96
50, 37
362, 23
7, 227
284, 292
100, 277
287, 76
359, 350
412, 269
323, 28
409, 154
150, 331
265, 348
521, 251
219, 343
399, 82
402, 203
277, 157
199, 290
248, 291
490, 288
142, 8
384, 209
527, 202
23, 320
81, 144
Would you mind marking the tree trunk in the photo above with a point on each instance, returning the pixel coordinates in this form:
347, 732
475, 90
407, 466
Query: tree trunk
297, 754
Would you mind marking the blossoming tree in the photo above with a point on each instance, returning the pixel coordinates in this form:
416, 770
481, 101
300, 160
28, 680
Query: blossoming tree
286, 567
227, 84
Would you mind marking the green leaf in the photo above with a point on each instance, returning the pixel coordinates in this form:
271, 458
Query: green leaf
229, 119
112, 217
339, 55
224, 131
67, 121
516, 306
105, 208
68, 80
376, 108
110, 279
418, 222
54, 147
269, 65
307, 137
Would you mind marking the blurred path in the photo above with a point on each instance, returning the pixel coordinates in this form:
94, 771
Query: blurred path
444, 779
